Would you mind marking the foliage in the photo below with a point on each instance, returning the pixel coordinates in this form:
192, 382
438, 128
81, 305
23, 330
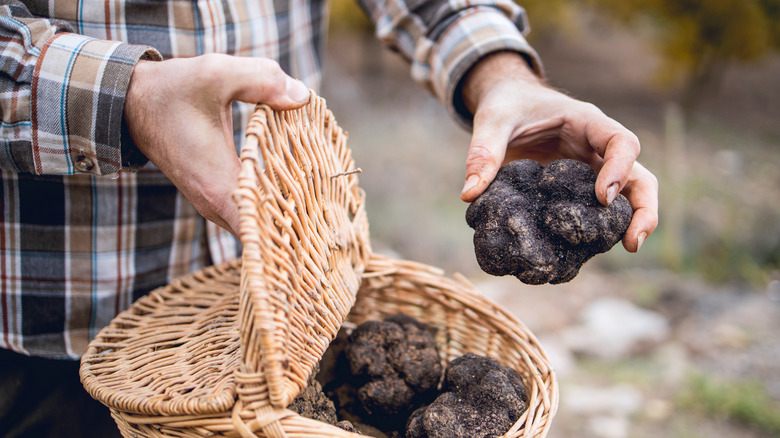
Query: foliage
746, 402
548, 17
696, 38
699, 38
348, 16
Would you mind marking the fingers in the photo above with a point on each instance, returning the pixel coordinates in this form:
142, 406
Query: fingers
225, 214
620, 172
178, 113
642, 192
255, 80
485, 155
548, 125
619, 148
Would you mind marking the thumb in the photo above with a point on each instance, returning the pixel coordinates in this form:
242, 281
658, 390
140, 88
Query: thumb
486, 154
262, 80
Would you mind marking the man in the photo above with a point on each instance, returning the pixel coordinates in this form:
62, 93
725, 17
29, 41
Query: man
99, 132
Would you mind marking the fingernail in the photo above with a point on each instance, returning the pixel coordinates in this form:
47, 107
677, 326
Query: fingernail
471, 182
297, 91
640, 240
612, 192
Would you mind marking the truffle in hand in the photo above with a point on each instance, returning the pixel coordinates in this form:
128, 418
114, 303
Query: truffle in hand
541, 224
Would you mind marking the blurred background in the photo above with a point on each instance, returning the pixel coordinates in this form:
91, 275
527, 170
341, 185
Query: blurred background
681, 339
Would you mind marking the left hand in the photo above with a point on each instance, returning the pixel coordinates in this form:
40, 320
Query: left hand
179, 114
517, 116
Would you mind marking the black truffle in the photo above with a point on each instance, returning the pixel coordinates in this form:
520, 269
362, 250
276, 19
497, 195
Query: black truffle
541, 224
481, 398
313, 403
396, 363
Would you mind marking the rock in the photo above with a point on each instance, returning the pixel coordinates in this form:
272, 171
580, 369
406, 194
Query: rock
612, 328
658, 409
618, 400
607, 426
560, 357
675, 365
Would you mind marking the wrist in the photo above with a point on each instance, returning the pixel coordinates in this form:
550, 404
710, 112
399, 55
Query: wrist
139, 97
135, 92
492, 70
134, 117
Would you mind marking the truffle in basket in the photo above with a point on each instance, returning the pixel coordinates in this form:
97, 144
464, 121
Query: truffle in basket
481, 399
397, 363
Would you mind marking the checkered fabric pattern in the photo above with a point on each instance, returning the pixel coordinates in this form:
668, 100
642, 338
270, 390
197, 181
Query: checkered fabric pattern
86, 224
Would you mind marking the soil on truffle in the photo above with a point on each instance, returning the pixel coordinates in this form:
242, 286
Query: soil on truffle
541, 224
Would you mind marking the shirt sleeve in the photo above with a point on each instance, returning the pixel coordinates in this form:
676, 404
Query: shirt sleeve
443, 39
62, 97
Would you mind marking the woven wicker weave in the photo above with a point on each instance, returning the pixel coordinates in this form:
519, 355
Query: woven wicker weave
223, 351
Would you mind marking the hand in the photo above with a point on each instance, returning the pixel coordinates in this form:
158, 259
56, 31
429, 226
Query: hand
517, 116
178, 113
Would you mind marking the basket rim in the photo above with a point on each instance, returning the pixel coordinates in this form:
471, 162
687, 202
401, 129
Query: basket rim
543, 399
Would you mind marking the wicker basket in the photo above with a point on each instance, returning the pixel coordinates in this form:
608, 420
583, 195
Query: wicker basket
223, 351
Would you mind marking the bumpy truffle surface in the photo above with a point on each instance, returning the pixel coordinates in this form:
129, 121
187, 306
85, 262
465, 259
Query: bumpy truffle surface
481, 399
396, 362
313, 403
542, 223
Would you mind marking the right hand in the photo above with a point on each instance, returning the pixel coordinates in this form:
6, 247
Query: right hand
178, 113
517, 116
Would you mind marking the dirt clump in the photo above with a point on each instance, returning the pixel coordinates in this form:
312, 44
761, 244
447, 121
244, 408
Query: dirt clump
542, 223
481, 398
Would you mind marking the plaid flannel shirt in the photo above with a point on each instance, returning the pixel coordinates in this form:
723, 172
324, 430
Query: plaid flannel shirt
85, 229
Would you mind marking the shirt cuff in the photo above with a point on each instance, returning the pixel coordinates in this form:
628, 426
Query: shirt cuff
441, 64
79, 88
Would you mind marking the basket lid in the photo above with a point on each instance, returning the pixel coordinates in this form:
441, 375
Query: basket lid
253, 328
305, 236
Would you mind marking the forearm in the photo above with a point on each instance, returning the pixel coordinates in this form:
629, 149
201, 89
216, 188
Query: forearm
492, 69
63, 94
444, 39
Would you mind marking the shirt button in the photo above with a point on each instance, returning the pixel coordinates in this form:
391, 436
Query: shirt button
84, 163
